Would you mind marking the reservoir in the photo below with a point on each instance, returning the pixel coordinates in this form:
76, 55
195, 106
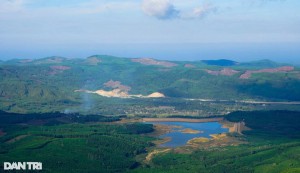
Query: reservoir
182, 132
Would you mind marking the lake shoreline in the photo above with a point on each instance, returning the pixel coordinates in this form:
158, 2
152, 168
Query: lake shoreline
188, 120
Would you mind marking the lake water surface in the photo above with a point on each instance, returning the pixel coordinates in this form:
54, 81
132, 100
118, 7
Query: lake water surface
179, 139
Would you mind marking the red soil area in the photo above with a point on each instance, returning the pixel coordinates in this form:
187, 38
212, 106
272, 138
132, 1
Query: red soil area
189, 66
248, 73
149, 61
117, 85
58, 69
224, 72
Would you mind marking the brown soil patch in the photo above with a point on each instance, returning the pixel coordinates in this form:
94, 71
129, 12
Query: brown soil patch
2, 133
190, 131
197, 140
93, 61
149, 61
117, 85
248, 73
58, 69
189, 66
224, 72
51, 60
113, 93
217, 140
155, 153
16, 139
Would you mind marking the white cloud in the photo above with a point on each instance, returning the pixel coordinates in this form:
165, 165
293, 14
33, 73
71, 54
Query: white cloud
200, 11
11, 5
161, 9
165, 9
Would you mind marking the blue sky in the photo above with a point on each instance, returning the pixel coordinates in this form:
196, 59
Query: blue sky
163, 29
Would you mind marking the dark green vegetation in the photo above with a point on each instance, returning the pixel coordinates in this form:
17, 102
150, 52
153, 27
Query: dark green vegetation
91, 147
273, 145
47, 85
274, 123
81, 135
7, 119
268, 149
221, 62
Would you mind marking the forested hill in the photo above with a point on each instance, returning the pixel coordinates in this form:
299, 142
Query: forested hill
60, 82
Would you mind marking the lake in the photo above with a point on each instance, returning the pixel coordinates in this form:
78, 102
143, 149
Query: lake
184, 131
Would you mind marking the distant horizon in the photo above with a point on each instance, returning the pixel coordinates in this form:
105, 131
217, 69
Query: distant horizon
160, 29
282, 53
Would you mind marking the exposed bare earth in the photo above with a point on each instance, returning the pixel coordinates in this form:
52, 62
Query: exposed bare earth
16, 139
190, 131
189, 66
92, 61
217, 140
182, 120
156, 152
149, 61
117, 85
51, 60
121, 94
2, 133
197, 140
120, 91
224, 72
58, 69
248, 73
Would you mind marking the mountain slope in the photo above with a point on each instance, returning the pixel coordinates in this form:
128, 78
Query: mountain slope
50, 83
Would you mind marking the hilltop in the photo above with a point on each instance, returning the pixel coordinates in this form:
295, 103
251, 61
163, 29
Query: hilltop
51, 83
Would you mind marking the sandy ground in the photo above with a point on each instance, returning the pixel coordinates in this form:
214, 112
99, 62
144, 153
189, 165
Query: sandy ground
217, 140
121, 94
191, 131
155, 153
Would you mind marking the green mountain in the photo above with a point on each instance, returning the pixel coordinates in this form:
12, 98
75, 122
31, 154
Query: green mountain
265, 63
58, 83
220, 62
